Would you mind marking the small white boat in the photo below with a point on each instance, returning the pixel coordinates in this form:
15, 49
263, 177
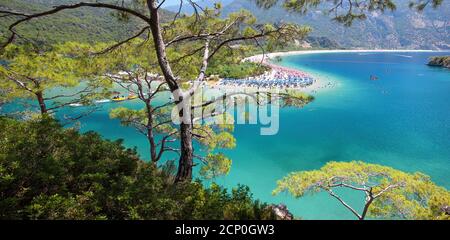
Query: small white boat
76, 105
405, 56
103, 101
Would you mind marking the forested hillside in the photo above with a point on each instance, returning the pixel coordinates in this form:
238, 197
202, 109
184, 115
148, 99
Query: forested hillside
403, 28
93, 25
82, 25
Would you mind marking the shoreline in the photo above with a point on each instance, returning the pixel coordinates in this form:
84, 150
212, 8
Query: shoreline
268, 56
319, 83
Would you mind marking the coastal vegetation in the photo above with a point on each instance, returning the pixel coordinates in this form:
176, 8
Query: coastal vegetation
388, 193
238, 70
51, 172
137, 58
50, 77
443, 61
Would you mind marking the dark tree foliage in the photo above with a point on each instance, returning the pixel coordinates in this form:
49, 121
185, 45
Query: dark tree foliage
48, 172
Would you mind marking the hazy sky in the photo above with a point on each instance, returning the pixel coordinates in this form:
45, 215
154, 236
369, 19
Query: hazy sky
174, 2
171, 2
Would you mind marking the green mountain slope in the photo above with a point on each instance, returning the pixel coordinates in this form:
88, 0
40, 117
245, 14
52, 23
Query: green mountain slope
403, 28
85, 25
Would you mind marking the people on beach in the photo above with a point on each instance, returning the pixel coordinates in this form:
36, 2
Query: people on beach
279, 77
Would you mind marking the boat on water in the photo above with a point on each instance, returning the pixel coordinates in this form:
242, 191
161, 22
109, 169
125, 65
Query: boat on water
405, 56
123, 98
103, 101
131, 97
119, 99
81, 105
76, 105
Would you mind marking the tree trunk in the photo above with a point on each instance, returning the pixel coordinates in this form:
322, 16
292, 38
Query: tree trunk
160, 47
150, 136
187, 153
42, 106
186, 158
366, 208
151, 141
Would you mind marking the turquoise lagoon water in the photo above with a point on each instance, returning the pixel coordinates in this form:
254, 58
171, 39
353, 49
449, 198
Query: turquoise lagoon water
402, 120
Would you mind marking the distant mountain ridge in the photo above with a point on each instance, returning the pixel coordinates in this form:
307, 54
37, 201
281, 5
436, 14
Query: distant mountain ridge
309, 42
402, 29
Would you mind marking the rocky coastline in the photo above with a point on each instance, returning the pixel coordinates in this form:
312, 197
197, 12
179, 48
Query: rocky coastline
442, 61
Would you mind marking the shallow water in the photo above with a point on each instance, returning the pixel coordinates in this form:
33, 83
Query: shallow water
402, 120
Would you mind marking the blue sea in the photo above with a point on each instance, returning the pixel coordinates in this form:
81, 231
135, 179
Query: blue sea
402, 120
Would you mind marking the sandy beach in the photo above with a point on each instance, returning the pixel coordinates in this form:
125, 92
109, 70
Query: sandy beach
319, 82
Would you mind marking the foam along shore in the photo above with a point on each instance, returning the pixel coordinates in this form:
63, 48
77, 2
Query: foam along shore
269, 56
